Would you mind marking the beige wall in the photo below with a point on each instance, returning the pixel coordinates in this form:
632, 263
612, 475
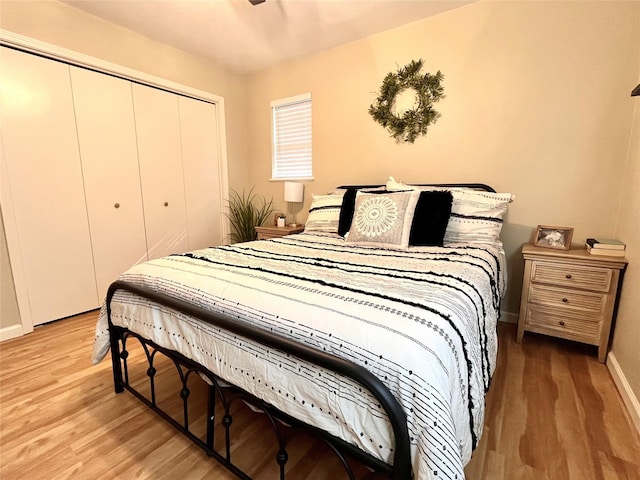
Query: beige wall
537, 104
626, 340
9, 313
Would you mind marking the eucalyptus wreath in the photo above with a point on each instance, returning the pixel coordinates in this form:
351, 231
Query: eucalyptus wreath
415, 121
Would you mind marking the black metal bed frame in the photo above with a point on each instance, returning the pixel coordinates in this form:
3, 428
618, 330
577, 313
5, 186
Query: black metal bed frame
221, 391
472, 186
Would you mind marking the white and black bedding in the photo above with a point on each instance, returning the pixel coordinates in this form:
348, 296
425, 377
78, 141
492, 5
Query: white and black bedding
422, 319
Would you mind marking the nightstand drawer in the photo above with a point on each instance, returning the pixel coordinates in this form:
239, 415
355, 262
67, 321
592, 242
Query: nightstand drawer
577, 276
566, 298
569, 325
265, 232
267, 236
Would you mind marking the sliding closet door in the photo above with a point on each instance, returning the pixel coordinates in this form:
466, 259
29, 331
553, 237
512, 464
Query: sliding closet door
160, 158
107, 139
46, 189
201, 162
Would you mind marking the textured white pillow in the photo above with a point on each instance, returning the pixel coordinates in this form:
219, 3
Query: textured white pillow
324, 213
383, 219
476, 216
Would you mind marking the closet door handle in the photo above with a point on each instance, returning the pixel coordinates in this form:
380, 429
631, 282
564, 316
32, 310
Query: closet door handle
117, 205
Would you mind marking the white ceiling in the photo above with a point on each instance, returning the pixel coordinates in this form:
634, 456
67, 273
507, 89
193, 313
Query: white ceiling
248, 38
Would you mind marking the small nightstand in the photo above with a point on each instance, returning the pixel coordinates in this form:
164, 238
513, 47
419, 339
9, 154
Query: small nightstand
266, 232
569, 294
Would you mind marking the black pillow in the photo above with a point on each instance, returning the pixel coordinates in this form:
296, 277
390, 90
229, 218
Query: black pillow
430, 219
347, 211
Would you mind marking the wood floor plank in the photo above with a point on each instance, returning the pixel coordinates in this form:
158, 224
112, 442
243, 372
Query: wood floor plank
553, 412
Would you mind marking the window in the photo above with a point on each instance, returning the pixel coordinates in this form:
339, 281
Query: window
291, 126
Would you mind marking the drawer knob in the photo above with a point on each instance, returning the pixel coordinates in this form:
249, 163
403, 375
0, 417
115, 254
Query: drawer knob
568, 276
117, 205
561, 323
166, 204
565, 300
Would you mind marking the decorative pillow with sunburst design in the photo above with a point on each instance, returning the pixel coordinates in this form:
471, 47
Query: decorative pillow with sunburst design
383, 219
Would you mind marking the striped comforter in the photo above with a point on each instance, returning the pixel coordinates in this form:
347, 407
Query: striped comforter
422, 319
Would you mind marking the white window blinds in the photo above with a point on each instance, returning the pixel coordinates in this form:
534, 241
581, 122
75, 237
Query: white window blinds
292, 137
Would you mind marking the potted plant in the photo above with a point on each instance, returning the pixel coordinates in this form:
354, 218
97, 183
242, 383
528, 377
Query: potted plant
246, 212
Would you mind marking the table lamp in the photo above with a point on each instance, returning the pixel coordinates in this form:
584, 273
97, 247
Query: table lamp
293, 193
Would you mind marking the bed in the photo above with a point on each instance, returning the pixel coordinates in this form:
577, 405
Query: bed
383, 346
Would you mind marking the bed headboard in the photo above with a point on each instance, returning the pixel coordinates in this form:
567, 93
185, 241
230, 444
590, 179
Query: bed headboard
473, 186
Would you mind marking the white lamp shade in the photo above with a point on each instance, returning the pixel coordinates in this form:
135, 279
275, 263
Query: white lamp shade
293, 192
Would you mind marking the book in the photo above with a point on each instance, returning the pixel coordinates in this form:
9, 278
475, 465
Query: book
611, 252
606, 243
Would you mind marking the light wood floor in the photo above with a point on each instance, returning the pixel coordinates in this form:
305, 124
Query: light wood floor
553, 413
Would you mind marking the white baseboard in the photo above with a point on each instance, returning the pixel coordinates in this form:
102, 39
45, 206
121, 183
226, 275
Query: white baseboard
630, 400
7, 333
508, 317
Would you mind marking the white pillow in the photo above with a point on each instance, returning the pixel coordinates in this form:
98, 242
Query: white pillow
476, 216
324, 213
383, 219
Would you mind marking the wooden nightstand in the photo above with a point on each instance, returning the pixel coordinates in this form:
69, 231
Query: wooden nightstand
569, 294
266, 232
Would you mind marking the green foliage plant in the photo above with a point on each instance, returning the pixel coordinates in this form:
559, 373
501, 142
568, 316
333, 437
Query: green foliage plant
413, 122
245, 212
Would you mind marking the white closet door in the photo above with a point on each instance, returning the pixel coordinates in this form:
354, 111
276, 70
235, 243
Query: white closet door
107, 139
45, 178
161, 175
201, 162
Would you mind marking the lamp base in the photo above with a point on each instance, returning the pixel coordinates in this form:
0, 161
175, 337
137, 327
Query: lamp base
294, 225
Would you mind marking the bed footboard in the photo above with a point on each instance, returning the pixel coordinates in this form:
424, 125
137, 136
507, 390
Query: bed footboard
222, 395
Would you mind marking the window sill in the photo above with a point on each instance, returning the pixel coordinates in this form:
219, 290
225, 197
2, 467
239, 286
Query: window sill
295, 179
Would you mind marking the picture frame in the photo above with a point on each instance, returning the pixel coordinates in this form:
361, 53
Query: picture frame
279, 218
550, 236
